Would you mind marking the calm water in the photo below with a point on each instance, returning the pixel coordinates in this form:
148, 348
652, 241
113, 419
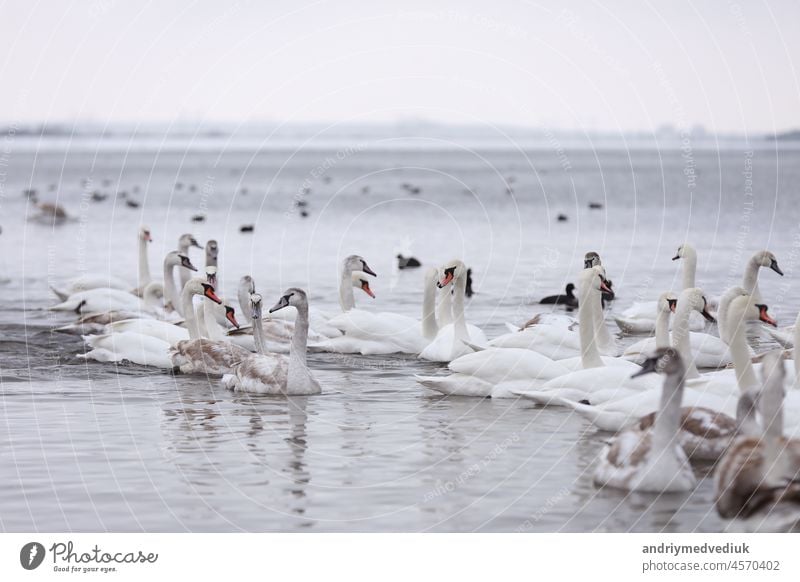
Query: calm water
88, 446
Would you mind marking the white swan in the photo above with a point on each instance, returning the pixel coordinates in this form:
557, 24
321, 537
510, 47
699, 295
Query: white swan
199, 355
449, 342
598, 379
493, 371
319, 320
556, 336
641, 350
366, 332
101, 300
101, 281
185, 242
264, 373
651, 459
757, 482
171, 294
641, 317
146, 341
698, 350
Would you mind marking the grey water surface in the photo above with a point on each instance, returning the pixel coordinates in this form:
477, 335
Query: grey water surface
118, 447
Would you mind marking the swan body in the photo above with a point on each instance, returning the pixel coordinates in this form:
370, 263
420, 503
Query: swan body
101, 300
757, 483
264, 373
486, 373
129, 346
199, 355
649, 458
452, 339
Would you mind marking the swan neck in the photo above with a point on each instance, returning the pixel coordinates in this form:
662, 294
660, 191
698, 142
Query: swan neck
668, 419
170, 291
444, 311
189, 315
689, 270
258, 335
681, 340
745, 376
429, 326
662, 329
144, 264
298, 347
750, 279
460, 322
797, 347
589, 301
346, 299
213, 330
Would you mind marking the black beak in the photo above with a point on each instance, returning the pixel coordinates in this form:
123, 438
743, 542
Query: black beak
774, 266
368, 271
587, 263
676, 257
648, 367
707, 315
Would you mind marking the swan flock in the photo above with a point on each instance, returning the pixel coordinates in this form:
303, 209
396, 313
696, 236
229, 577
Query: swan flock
693, 392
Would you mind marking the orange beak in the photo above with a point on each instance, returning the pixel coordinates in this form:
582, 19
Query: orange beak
765, 317
232, 318
446, 281
365, 288
148, 238
209, 292
604, 287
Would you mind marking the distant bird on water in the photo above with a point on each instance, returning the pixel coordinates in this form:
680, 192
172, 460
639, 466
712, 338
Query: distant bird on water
407, 263
568, 298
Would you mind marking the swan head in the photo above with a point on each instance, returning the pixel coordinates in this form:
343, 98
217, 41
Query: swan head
743, 309
211, 275
246, 283
196, 286
176, 259
357, 263
663, 361
187, 240
595, 277
591, 259
450, 271
212, 249
695, 299
570, 289
294, 297
685, 251
767, 259
144, 234
230, 315
360, 281
667, 302
255, 305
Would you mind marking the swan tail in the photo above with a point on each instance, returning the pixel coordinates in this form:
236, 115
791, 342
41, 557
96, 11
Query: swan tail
62, 296
456, 385
101, 355
472, 346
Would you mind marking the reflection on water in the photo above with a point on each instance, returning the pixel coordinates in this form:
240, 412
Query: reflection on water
87, 446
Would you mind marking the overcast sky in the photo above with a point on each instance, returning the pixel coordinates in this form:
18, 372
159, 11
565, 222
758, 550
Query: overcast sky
636, 65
